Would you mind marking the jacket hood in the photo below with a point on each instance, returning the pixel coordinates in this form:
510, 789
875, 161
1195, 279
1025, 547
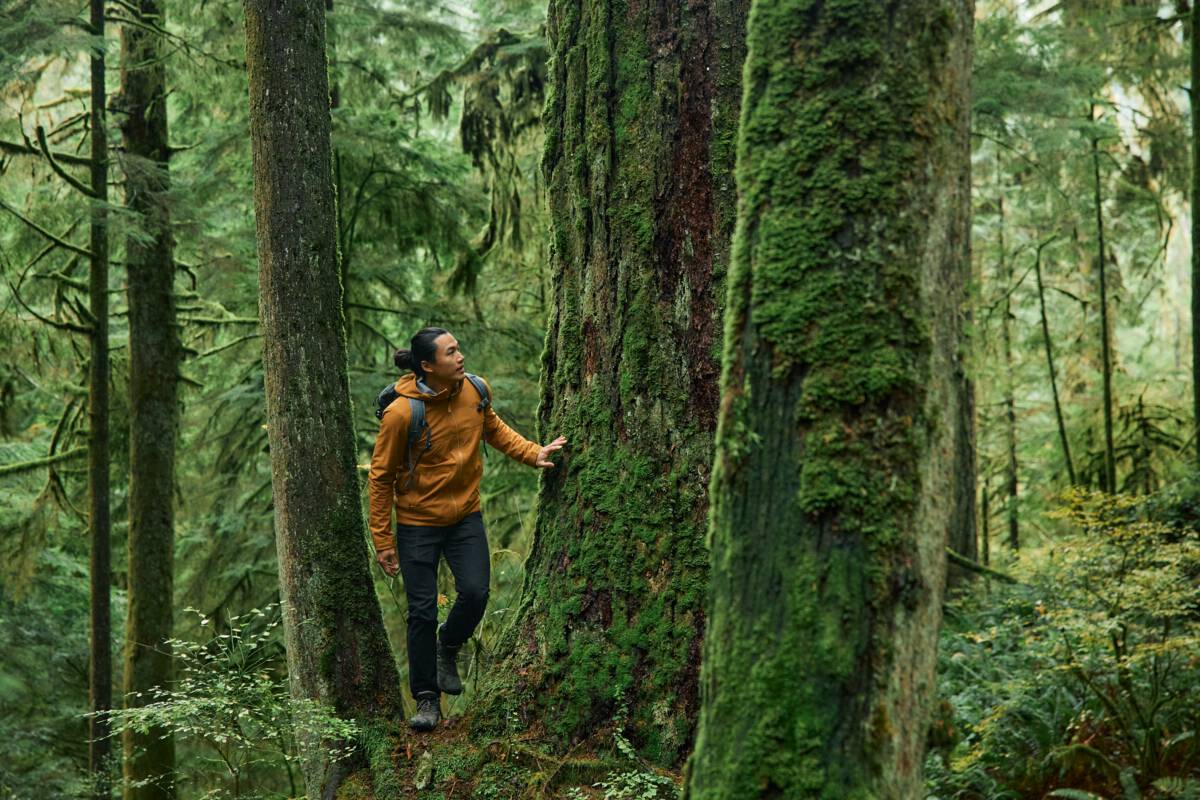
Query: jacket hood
407, 387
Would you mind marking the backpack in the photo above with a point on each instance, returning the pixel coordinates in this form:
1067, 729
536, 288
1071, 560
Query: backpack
417, 425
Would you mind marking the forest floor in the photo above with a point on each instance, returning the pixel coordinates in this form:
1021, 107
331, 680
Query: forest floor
448, 763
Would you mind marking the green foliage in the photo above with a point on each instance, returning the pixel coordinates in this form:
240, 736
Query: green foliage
1081, 679
43, 677
231, 701
635, 781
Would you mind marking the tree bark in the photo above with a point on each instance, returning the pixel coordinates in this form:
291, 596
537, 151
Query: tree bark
964, 532
985, 513
1110, 459
338, 652
100, 668
1011, 482
640, 130
154, 354
835, 468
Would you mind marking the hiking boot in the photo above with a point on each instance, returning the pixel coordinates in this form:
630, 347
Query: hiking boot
429, 712
447, 667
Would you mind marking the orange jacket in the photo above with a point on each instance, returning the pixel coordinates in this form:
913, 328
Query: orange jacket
445, 486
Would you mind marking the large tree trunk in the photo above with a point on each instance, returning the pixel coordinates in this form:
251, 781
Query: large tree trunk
100, 668
154, 353
835, 470
640, 127
338, 652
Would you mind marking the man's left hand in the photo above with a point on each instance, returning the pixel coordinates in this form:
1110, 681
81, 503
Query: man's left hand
543, 459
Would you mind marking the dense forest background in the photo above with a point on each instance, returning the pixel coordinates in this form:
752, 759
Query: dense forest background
1069, 647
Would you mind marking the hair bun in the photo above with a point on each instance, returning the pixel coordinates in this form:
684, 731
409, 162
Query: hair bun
404, 359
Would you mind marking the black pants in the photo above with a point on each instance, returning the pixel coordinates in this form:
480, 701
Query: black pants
420, 548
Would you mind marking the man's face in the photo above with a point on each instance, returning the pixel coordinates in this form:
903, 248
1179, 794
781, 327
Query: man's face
449, 364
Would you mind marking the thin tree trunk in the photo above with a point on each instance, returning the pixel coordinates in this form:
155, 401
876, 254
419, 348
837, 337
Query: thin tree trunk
1110, 460
640, 125
985, 521
1058, 415
835, 469
154, 353
964, 534
100, 668
337, 648
1195, 214
1010, 403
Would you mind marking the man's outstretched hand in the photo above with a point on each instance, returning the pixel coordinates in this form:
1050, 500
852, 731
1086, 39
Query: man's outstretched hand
543, 459
387, 559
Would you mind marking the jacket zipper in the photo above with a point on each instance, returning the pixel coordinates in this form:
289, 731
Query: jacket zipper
457, 462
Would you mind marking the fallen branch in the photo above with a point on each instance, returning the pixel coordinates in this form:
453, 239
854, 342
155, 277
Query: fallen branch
974, 566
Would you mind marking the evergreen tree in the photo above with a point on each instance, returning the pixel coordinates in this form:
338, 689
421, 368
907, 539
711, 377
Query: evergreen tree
639, 123
835, 469
338, 652
154, 355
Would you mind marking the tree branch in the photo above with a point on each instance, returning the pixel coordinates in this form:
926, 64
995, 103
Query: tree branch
53, 323
47, 234
16, 148
74, 183
20, 467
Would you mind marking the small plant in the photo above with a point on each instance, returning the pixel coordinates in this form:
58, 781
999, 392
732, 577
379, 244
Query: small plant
635, 780
229, 698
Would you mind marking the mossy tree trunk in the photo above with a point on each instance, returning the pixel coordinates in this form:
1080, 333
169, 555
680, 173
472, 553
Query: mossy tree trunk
99, 528
640, 129
154, 353
338, 652
835, 472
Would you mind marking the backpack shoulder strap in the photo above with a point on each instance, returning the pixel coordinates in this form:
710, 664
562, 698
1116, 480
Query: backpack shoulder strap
485, 397
416, 426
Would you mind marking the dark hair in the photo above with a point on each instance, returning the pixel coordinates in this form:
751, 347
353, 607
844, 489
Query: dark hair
422, 349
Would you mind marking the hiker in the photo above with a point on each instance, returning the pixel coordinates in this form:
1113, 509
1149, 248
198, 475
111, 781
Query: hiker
430, 473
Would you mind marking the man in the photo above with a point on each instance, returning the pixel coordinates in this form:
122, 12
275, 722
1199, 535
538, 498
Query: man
437, 506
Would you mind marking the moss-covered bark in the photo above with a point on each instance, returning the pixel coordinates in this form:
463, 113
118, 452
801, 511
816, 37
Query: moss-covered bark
100, 567
154, 353
338, 652
640, 130
834, 481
